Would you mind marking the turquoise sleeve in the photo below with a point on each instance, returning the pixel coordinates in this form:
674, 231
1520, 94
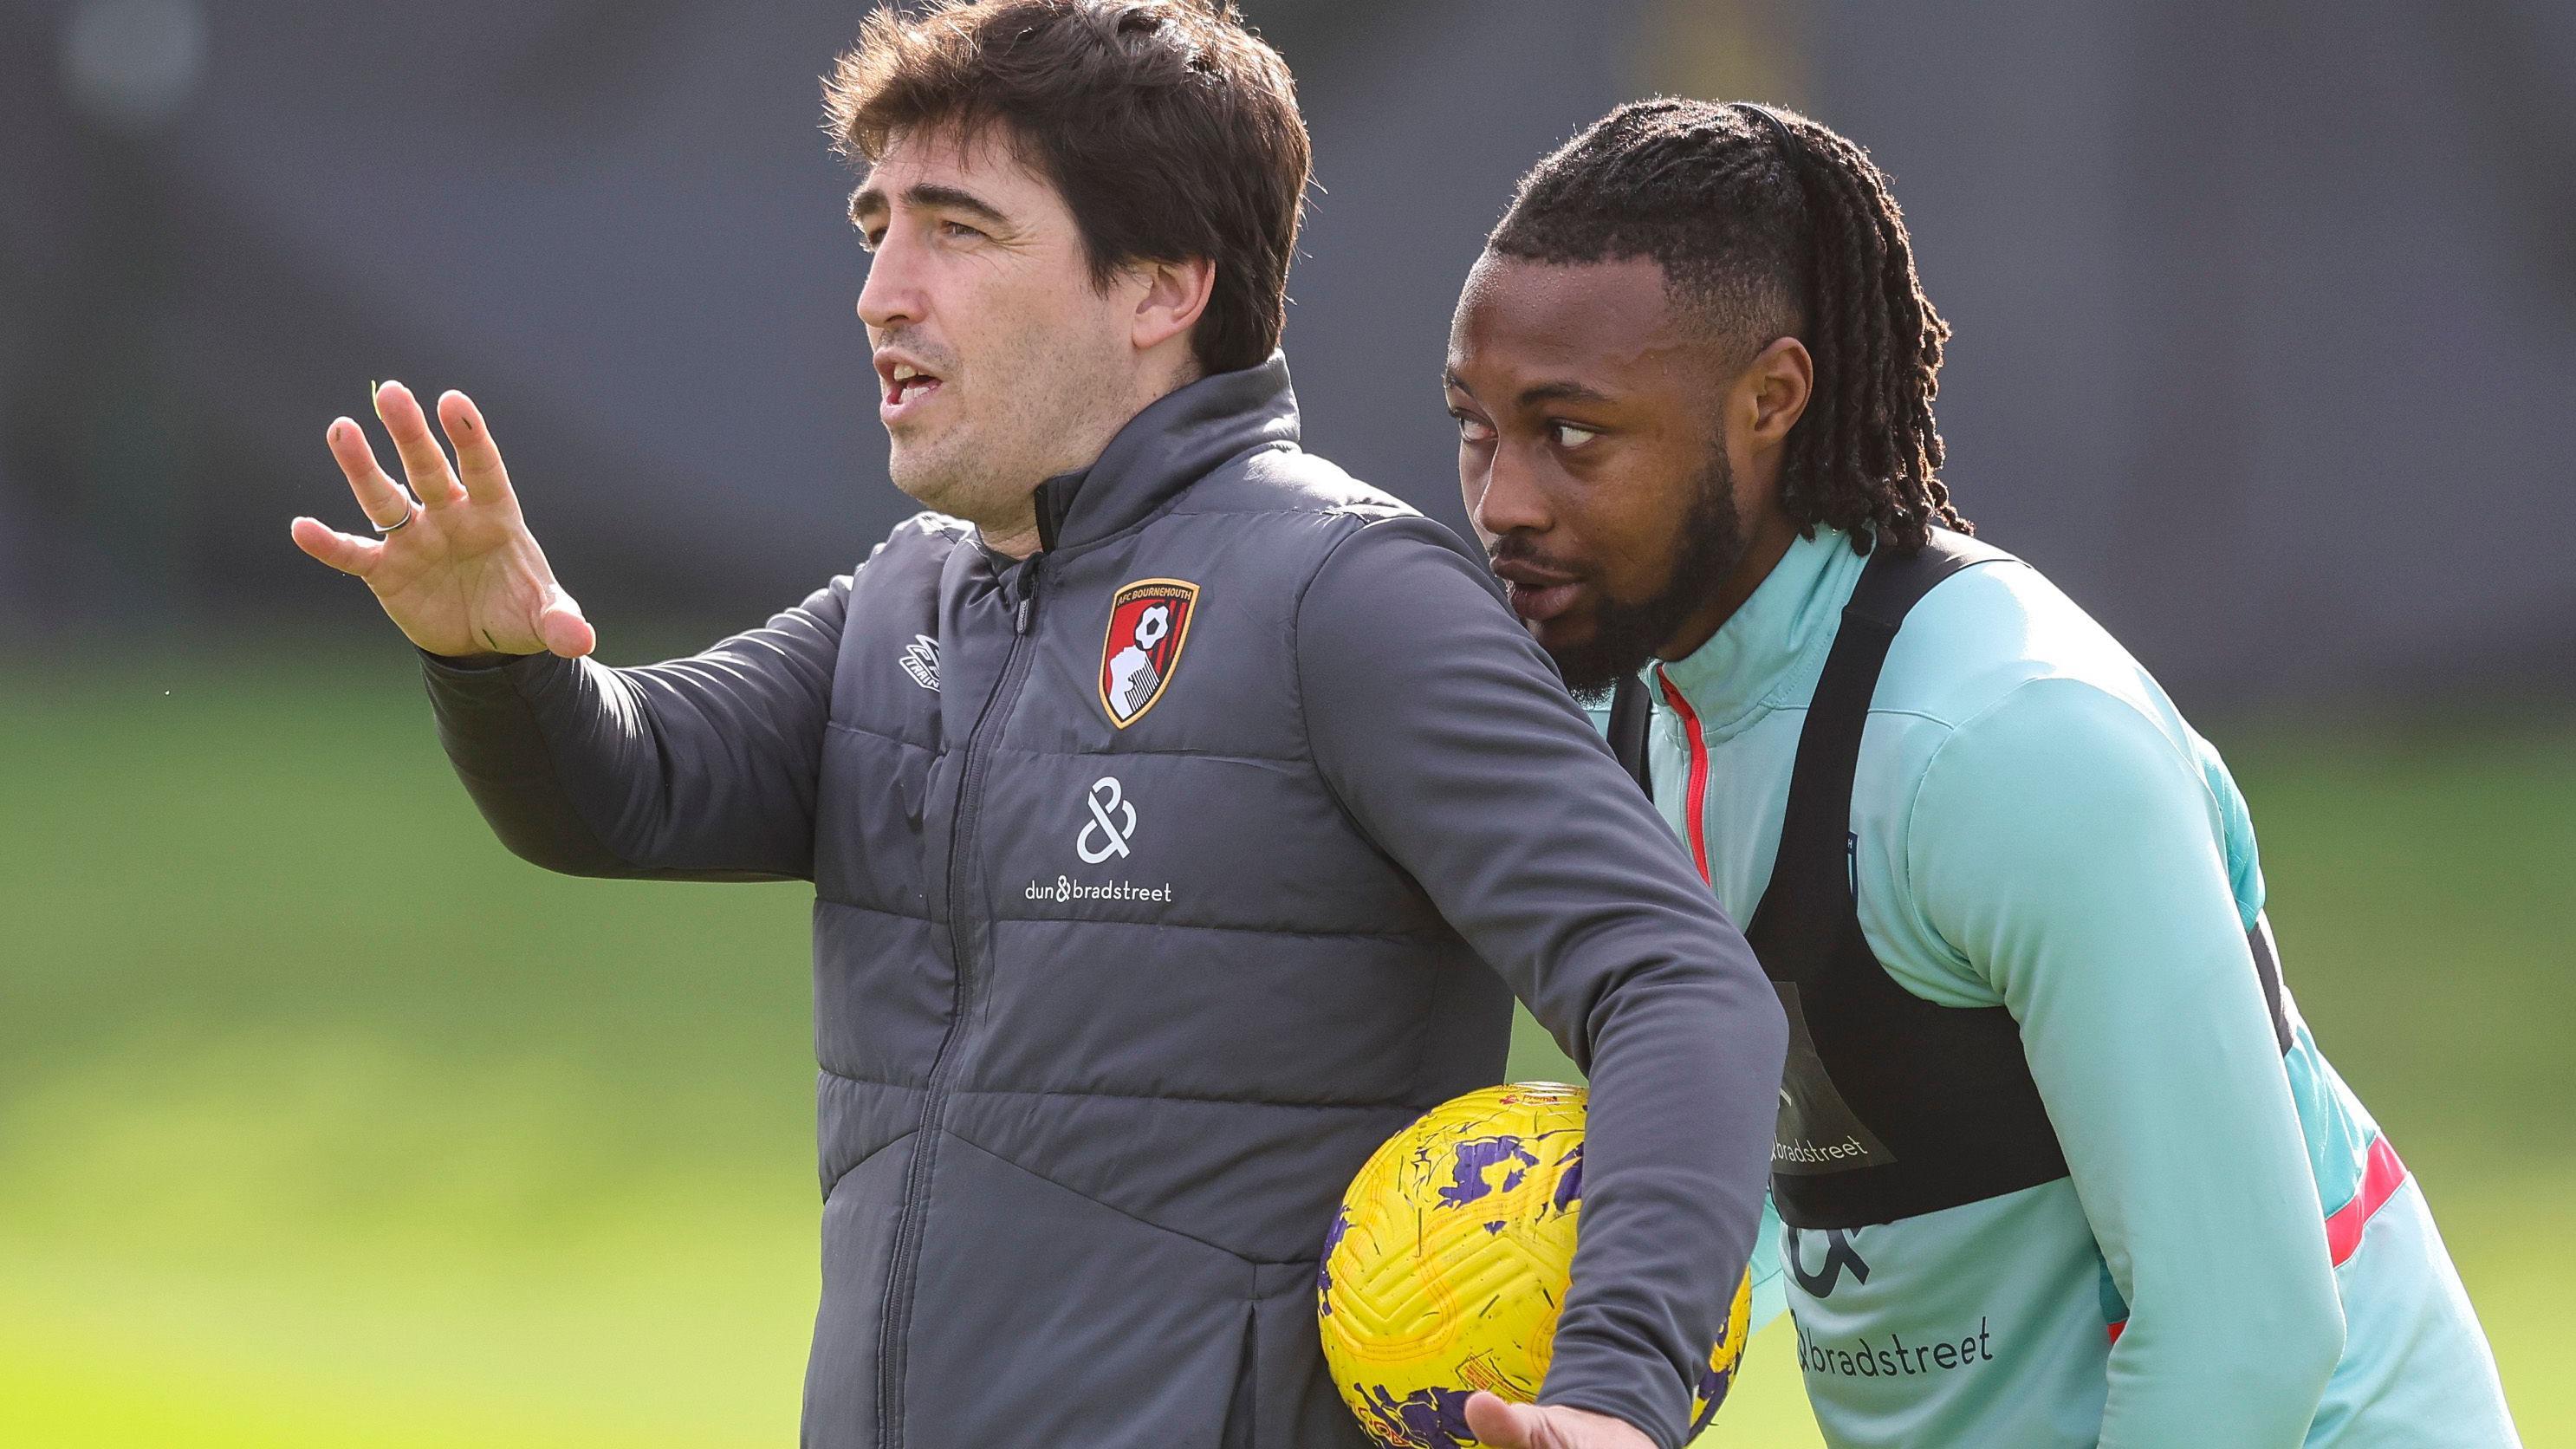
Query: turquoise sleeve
1770, 1286
2068, 850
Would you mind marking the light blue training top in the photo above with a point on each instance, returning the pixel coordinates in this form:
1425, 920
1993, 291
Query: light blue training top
2237, 1256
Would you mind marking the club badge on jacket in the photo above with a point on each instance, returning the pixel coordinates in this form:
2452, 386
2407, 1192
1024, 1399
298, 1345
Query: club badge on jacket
1149, 621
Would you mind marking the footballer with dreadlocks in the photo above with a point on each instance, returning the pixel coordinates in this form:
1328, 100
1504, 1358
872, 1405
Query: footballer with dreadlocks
2057, 1161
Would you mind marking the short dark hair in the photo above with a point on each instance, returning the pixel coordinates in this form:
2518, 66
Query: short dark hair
1774, 226
1171, 131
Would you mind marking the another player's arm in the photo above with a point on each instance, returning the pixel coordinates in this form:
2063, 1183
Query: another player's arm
2069, 853
702, 767
1444, 732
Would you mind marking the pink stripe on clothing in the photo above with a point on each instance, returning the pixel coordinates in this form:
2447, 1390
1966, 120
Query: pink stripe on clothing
2380, 1180
2381, 1176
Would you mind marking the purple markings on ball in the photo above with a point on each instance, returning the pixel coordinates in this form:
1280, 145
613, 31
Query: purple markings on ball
1324, 1269
1423, 1419
1713, 1385
1569, 1186
1471, 1159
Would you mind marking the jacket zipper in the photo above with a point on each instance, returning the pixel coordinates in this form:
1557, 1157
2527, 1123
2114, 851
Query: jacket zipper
1695, 802
895, 1323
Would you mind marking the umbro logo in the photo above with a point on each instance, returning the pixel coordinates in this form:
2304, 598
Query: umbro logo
920, 659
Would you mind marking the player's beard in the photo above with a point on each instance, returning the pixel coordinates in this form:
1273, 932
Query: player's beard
1706, 549
1037, 404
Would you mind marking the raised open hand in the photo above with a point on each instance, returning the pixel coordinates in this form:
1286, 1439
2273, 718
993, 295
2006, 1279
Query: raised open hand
458, 572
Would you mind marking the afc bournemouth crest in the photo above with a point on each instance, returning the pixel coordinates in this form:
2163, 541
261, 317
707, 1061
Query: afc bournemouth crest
1149, 621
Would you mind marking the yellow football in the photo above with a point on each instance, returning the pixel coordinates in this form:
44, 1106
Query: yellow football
1446, 1267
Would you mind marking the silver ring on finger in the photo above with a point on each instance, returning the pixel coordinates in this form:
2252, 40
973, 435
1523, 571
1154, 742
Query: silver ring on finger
411, 510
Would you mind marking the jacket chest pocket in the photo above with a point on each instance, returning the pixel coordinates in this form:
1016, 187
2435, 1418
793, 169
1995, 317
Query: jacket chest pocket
870, 803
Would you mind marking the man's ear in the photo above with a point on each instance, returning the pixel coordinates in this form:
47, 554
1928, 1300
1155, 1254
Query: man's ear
1175, 295
1773, 391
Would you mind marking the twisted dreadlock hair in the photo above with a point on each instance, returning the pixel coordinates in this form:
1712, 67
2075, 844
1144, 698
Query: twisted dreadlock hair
1771, 225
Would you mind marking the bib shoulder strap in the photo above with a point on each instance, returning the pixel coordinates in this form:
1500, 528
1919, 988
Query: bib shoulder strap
1632, 708
1813, 862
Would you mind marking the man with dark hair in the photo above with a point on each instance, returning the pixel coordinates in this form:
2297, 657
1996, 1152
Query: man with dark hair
2057, 1160
1168, 795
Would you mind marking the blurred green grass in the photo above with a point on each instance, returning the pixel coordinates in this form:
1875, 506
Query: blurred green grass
325, 1122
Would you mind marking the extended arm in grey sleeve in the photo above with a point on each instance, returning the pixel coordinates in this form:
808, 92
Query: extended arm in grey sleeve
700, 768
1447, 736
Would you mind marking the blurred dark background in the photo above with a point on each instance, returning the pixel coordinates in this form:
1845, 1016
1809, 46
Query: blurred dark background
2266, 312
325, 1122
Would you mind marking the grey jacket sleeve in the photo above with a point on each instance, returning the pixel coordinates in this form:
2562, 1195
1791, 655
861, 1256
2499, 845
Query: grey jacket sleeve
698, 769
1449, 739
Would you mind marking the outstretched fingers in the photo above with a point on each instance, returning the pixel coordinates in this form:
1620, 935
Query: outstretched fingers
432, 481
379, 496
478, 458
348, 553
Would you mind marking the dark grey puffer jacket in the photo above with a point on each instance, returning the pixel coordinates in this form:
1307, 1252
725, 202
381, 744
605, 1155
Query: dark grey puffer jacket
1108, 1014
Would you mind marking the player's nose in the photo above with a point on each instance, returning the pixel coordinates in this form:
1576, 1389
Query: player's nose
1510, 500
894, 293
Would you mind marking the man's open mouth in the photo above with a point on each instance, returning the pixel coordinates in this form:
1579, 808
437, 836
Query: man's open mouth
906, 384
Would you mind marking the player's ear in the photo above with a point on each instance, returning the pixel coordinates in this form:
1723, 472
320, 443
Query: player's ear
1174, 297
1773, 391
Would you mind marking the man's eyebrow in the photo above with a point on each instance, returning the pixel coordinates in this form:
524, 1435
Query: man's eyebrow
1562, 391
869, 200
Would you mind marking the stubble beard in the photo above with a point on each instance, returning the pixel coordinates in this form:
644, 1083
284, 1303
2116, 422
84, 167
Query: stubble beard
985, 468
933, 473
1707, 548
966, 471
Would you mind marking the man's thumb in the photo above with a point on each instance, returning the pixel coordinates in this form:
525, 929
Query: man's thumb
562, 629
1499, 1423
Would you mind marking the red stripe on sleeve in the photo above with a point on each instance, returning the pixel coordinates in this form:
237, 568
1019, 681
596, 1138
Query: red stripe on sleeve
2380, 1180
2381, 1176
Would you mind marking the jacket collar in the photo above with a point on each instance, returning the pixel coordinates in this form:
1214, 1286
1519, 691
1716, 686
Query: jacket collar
1770, 651
1177, 440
